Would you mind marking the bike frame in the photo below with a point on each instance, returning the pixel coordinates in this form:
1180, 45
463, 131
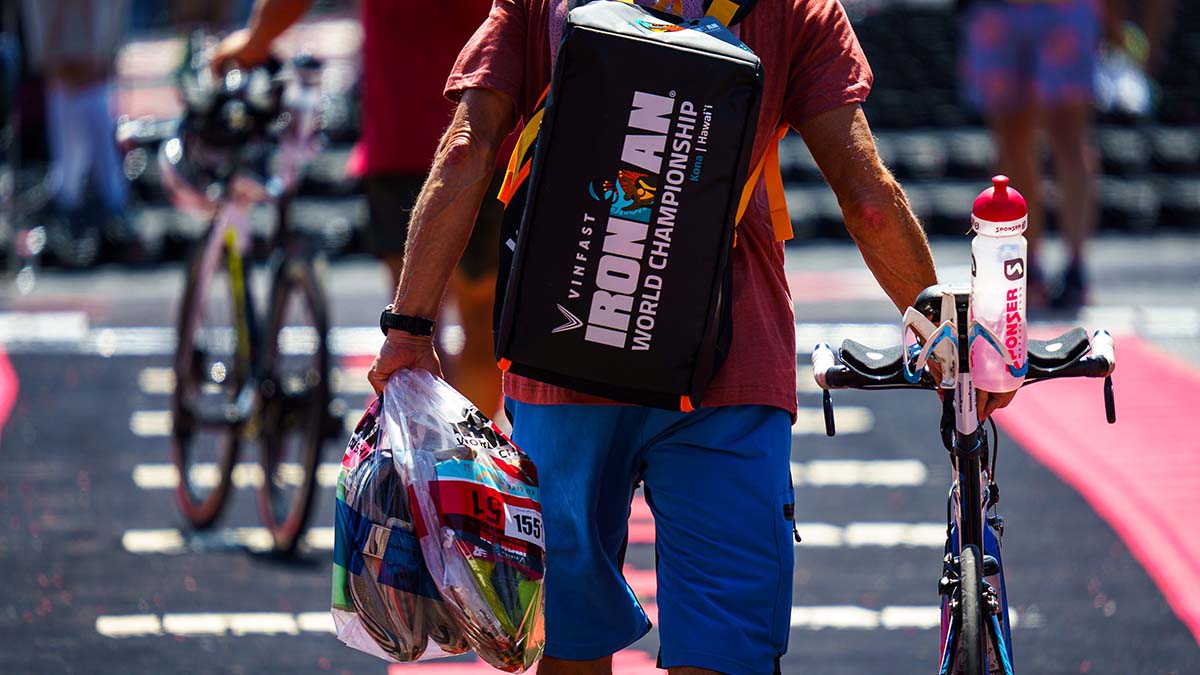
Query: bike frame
230, 232
965, 438
935, 337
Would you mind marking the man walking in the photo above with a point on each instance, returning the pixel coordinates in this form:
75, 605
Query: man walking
717, 478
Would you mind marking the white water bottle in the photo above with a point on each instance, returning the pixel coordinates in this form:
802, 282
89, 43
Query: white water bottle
998, 269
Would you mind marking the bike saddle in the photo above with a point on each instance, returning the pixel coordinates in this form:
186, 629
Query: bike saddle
1051, 355
880, 363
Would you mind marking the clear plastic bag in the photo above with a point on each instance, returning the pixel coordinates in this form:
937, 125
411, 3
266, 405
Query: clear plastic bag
384, 601
474, 497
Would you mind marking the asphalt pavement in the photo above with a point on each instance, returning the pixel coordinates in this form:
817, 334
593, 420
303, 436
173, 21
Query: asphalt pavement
100, 574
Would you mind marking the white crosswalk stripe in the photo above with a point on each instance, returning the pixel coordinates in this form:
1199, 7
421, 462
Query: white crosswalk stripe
817, 473
854, 472
851, 419
70, 332
150, 423
161, 381
245, 475
171, 541
820, 617
809, 421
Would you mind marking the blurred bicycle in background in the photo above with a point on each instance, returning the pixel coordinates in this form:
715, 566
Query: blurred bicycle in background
244, 140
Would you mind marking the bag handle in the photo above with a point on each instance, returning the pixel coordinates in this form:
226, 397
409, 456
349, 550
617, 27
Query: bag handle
728, 12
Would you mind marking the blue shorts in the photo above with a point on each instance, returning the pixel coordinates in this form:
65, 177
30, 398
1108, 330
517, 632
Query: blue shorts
717, 482
1021, 54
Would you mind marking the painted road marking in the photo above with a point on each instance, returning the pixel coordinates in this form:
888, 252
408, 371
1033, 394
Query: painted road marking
851, 419
238, 624
150, 423
854, 472
809, 422
245, 475
69, 332
817, 473
161, 381
898, 617
172, 541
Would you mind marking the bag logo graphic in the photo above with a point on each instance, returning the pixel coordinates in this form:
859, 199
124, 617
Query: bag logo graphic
572, 323
656, 27
1014, 269
618, 269
631, 195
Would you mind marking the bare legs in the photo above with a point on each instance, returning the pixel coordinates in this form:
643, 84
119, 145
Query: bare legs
1014, 136
1069, 131
1074, 168
475, 371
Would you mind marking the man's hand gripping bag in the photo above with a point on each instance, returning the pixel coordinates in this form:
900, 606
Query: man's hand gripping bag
621, 275
475, 502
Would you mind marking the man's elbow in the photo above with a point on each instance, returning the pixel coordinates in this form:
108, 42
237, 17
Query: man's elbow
876, 209
481, 123
467, 154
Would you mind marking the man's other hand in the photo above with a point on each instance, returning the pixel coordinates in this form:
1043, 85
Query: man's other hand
401, 350
987, 402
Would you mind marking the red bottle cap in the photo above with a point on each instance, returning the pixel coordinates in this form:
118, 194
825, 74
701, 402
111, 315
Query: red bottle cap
999, 210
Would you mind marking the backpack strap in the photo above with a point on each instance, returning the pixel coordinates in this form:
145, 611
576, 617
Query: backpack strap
521, 161
723, 10
768, 170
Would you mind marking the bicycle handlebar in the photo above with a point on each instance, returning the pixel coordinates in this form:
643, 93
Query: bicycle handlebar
1100, 362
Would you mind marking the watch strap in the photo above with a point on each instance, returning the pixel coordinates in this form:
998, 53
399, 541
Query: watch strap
389, 320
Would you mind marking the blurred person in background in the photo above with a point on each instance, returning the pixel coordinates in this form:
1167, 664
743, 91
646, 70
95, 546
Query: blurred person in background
408, 50
189, 14
74, 44
1028, 65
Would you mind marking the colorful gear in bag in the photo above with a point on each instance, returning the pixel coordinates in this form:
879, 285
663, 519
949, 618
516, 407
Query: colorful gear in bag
474, 497
384, 580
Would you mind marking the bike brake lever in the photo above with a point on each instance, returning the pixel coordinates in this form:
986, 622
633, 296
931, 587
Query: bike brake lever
827, 405
1110, 404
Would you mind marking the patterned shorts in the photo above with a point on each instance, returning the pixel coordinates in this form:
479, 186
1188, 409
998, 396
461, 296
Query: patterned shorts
1015, 54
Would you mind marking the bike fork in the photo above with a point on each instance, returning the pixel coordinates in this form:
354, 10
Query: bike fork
968, 525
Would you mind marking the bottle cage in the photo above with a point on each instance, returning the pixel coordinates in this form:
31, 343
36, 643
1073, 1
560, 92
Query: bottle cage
979, 330
938, 342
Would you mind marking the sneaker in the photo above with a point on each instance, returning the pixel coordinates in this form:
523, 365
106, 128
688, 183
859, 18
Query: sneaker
1072, 293
73, 238
1037, 294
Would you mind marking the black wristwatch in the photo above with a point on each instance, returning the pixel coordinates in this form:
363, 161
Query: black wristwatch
409, 324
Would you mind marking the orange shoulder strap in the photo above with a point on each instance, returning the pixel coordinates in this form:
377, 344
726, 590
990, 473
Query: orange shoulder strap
521, 161
768, 170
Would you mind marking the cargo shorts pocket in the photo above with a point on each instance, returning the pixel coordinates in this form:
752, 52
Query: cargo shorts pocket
785, 532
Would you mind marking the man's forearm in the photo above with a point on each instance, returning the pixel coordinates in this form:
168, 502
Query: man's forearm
445, 212
893, 244
273, 17
876, 211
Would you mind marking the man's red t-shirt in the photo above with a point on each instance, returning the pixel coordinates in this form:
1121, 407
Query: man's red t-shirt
812, 63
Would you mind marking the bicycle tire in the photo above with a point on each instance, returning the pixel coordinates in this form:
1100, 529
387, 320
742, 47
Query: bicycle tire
973, 635
286, 518
201, 511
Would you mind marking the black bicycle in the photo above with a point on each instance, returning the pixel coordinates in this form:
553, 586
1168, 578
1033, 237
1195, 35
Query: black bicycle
239, 377
976, 636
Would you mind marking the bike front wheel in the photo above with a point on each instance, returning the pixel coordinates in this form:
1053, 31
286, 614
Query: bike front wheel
211, 364
296, 417
973, 640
